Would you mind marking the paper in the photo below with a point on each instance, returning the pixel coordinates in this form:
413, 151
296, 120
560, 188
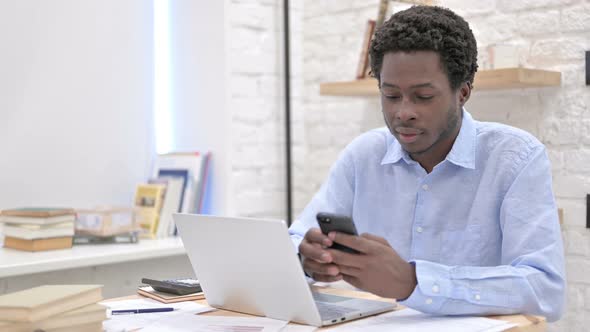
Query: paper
189, 323
414, 321
298, 328
120, 323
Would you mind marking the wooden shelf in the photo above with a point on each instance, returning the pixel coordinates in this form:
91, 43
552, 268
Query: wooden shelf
509, 78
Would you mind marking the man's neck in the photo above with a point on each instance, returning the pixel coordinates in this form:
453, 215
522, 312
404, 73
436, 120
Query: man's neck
428, 162
436, 154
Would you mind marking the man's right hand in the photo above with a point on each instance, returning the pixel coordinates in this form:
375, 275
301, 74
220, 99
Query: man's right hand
317, 261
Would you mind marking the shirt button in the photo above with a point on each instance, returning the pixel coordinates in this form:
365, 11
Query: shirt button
477, 297
435, 288
419, 229
425, 187
428, 301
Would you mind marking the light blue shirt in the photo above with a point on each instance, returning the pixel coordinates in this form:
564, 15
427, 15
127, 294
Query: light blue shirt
482, 227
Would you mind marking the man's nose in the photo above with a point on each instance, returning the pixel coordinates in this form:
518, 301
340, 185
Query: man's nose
406, 112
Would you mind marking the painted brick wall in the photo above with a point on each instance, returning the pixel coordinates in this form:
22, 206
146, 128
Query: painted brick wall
552, 34
326, 39
332, 37
256, 46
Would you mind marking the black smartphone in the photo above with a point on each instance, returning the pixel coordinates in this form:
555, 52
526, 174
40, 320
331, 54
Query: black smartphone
334, 222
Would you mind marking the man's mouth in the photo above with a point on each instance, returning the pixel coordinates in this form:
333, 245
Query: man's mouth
408, 135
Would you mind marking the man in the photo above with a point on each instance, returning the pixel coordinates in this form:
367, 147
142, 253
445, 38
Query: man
458, 215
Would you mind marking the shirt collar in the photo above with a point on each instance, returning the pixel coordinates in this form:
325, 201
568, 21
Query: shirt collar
462, 153
395, 153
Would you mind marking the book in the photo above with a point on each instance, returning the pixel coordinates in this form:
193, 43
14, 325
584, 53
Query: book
92, 327
38, 212
178, 174
383, 6
38, 303
92, 313
148, 291
36, 231
172, 204
35, 227
38, 244
363, 64
148, 203
37, 215
203, 181
150, 196
148, 222
196, 163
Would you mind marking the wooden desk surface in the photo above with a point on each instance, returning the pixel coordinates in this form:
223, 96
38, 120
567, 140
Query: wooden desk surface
525, 323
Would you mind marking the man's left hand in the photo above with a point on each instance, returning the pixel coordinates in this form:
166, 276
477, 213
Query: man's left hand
377, 268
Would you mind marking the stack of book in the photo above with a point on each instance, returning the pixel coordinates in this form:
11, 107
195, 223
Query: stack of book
185, 177
178, 184
190, 167
49, 308
148, 291
38, 229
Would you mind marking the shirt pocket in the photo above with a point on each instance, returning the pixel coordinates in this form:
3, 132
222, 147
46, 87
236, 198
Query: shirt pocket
461, 246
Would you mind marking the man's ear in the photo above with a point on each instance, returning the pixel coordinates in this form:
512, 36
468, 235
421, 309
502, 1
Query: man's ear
464, 92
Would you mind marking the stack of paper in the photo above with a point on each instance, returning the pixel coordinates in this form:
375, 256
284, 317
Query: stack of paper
189, 323
415, 321
137, 321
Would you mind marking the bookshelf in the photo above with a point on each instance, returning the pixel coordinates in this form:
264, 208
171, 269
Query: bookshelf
19, 263
508, 78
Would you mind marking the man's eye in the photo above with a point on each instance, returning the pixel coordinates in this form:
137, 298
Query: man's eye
392, 97
424, 97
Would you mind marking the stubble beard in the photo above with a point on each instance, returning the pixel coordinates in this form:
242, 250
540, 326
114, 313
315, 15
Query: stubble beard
453, 120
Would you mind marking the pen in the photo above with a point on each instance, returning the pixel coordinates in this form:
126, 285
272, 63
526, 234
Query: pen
140, 311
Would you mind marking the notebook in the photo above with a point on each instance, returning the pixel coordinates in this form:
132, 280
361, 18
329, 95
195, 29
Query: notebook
148, 291
38, 215
53, 243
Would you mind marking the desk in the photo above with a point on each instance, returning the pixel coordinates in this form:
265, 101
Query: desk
525, 323
119, 267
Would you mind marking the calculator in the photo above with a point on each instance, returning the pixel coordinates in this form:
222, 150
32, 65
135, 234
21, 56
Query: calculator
182, 286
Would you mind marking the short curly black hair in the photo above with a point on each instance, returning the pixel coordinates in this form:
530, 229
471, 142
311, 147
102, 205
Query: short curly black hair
428, 28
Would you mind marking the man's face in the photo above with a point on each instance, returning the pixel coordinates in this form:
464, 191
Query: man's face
419, 107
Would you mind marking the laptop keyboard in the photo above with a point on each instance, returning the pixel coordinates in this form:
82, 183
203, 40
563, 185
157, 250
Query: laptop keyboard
329, 311
328, 297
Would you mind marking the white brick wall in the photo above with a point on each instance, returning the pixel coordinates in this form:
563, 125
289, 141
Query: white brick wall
326, 39
256, 46
553, 35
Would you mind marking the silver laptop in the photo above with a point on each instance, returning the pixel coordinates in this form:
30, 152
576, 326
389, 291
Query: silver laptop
250, 266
